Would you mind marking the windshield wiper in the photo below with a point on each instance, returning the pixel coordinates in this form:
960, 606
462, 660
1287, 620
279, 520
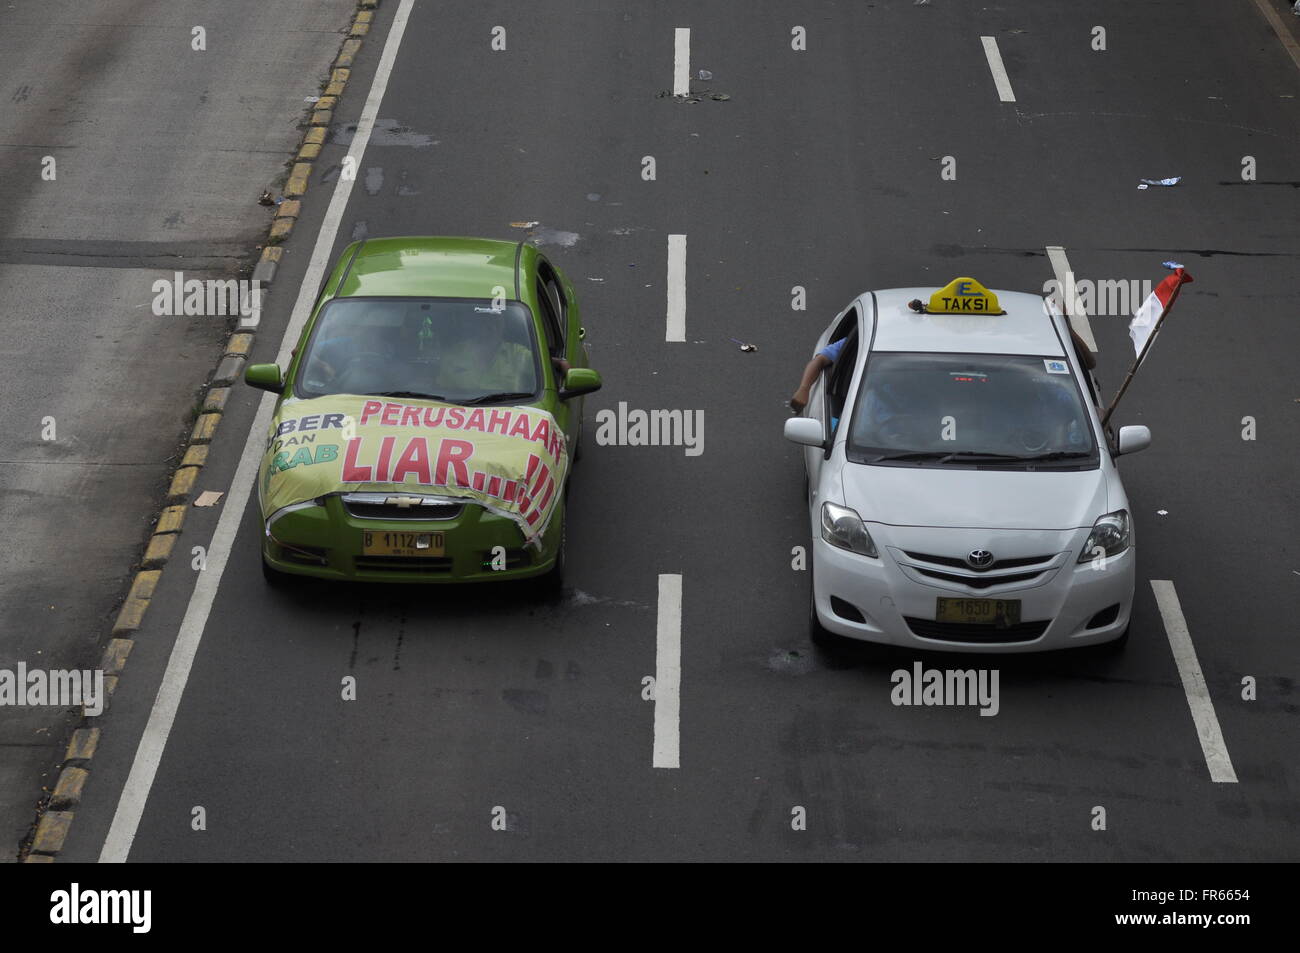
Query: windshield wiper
1057, 455
943, 456
408, 393
493, 398
912, 455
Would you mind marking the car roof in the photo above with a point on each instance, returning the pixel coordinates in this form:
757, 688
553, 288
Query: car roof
1025, 328
431, 267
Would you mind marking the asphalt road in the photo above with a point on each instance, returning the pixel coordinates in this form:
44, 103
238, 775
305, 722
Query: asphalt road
821, 169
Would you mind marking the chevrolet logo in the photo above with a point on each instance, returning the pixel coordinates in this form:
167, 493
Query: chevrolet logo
403, 502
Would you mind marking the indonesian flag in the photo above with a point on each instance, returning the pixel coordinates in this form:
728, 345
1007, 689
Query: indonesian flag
1148, 316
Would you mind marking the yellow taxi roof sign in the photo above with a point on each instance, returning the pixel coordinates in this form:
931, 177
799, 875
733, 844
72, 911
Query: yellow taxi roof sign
964, 296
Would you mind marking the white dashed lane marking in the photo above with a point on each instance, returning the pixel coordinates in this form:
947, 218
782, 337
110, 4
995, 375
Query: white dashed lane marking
681, 61
1198, 695
1000, 78
668, 673
1074, 309
676, 330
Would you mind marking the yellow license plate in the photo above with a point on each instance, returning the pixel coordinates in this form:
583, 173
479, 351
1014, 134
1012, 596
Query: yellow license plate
987, 611
379, 543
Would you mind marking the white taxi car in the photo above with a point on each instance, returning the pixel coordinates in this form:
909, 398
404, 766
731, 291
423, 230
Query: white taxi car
963, 494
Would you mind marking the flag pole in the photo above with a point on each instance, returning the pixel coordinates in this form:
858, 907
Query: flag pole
1146, 347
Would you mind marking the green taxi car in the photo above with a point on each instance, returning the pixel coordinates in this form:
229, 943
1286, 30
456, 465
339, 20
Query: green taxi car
427, 421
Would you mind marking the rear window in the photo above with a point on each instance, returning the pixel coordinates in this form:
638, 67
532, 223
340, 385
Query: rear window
970, 408
457, 350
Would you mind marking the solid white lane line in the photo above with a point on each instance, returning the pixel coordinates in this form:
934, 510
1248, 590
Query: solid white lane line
681, 61
1189, 670
1074, 309
1000, 78
676, 288
130, 807
668, 673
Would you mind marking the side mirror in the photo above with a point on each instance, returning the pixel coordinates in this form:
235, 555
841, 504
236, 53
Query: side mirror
1133, 439
264, 377
805, 431
579, 381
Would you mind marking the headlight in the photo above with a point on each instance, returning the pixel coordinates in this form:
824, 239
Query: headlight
843, 527
1110, 534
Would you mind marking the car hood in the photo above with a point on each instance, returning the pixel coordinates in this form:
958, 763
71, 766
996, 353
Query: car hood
961, 497
511, 460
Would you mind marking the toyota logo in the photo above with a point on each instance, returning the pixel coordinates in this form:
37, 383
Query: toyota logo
979, 559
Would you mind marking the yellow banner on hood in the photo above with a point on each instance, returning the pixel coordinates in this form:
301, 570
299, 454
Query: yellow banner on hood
511, 460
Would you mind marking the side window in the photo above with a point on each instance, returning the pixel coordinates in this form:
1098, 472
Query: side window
550, 286
840, 374
550, 321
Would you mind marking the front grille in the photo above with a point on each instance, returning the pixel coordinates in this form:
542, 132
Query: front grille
424, 564
976, 633
377, 506
980, 582
957, 563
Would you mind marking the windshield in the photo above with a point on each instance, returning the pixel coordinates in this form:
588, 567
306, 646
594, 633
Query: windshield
449, 349
972, 409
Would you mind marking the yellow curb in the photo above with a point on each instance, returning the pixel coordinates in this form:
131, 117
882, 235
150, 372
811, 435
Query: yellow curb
308, 152
195, 457
322, 117
316, 136
38, 859
110, 685
369, 4
67, 793
272, 254
364, 16
83, 744
239, 344
333, 89
144, 585
297, 183
130, 618
172, 518
281, 228
51, 831
182, 483
137, 601
289, 208
340, 76
360, 29
159, 550
205, 429
328, 102
216, 399
347, 53
115, 654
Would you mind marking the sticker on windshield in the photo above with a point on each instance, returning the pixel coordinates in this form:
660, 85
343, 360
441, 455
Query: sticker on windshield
1056, 367
489, 310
